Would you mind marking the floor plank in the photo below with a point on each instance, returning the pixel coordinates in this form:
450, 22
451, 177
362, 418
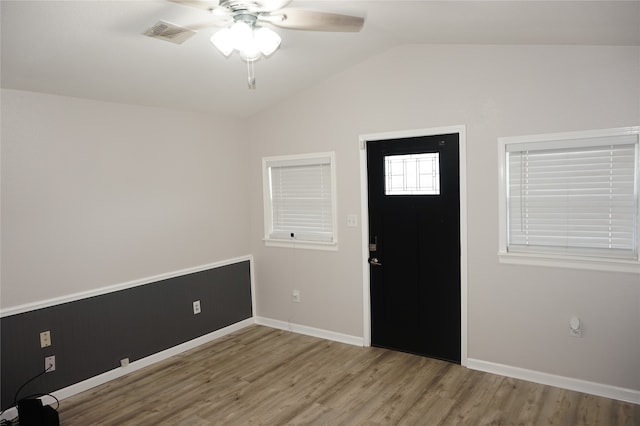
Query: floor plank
263, 376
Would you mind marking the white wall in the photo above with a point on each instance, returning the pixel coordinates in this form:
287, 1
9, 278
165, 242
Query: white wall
517, 316
97, 194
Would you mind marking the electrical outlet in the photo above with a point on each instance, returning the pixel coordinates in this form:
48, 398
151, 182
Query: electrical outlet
575, 327
196, 307
50, 363
45, 339
296, 296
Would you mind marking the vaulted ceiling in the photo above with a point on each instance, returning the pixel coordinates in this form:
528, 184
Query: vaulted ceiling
96, 49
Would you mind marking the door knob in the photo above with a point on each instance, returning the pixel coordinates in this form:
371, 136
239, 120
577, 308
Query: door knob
374, 261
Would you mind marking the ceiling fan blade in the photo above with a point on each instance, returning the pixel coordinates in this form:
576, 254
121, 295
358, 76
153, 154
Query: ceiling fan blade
236, 5
272, 5
200, 4
218, 22
298, 19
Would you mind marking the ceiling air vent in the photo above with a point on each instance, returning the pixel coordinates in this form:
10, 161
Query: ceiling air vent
169, 32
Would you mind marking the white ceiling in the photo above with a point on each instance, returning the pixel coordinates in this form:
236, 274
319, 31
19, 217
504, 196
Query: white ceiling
96, 50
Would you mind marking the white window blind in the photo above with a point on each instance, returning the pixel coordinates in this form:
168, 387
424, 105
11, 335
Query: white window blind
300, 199
575, 196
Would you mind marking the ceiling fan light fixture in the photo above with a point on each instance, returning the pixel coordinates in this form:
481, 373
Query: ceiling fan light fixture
267, 40
250, 42
223, 41
251, 51
242, 35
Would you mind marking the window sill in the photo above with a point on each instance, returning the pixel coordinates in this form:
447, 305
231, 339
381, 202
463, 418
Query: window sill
573, 262
297, 244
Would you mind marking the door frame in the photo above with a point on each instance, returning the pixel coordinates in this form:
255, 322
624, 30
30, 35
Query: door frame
364, 208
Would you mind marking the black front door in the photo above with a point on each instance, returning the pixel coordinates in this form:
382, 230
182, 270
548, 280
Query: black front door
414, 250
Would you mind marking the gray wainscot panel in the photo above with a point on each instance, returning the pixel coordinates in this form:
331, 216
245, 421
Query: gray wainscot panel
91, 336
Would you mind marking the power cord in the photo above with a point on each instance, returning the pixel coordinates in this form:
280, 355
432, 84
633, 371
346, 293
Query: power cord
15, 398
16, 401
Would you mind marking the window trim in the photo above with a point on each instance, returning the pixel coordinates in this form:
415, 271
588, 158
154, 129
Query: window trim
559, 260
297, 159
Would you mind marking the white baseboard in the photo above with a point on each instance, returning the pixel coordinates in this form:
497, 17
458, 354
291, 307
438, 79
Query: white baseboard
598, 389
152, 359
311, 331
133, 366
607, 391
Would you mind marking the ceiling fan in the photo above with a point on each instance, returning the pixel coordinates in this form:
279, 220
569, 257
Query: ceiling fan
246, 26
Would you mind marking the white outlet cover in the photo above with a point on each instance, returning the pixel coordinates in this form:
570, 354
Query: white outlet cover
575, 327
45, 339
574, 323
50, 361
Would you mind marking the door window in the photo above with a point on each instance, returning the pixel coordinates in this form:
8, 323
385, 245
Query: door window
412, 174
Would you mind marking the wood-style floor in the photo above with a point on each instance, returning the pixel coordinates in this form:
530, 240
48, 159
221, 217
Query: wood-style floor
262, 376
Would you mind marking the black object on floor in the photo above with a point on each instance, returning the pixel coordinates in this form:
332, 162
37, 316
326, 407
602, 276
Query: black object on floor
31, 412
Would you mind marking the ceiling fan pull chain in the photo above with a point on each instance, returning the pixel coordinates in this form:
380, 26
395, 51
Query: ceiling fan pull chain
251, 77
